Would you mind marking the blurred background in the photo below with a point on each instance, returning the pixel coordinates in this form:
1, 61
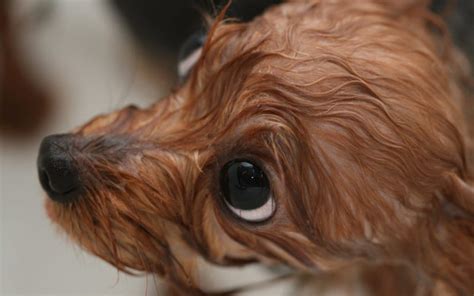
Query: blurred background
64, 61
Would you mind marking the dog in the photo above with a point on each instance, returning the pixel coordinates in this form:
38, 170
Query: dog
326, 135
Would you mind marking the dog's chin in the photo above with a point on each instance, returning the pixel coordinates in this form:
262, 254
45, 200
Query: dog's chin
49, 208
52, 210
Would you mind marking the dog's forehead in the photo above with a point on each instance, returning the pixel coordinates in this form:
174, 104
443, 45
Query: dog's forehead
241, 64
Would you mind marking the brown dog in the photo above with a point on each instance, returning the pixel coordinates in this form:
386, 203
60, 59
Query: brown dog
324, 135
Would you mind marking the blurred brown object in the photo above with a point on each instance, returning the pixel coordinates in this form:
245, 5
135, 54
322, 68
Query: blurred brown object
24, 103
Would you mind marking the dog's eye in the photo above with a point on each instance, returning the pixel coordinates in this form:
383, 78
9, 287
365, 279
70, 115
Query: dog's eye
246, 191
189, 54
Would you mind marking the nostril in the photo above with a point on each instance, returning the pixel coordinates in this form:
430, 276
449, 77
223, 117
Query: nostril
44, 180
57, 172
58, 186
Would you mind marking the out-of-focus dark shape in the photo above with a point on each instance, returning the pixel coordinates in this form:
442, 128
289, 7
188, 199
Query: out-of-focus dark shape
24, 103
459, 15
166, 25
160, 25
246, 10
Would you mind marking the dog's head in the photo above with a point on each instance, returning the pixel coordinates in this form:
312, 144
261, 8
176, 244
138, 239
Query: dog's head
320, 134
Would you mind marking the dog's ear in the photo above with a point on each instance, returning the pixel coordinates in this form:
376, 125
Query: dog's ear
459, 194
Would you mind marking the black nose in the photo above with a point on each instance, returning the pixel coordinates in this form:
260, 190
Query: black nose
57, 172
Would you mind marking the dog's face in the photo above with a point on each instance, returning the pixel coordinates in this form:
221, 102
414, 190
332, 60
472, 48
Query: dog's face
317, 135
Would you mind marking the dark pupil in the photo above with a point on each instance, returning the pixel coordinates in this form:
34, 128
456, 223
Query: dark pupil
244, 185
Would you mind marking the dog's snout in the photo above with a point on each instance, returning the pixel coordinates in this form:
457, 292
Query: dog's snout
58, 174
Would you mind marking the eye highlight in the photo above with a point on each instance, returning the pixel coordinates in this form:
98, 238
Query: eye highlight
246, 190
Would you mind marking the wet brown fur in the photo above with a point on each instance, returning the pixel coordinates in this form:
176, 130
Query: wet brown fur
353, 109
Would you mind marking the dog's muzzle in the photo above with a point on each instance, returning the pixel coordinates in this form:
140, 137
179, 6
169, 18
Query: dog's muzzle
58, 174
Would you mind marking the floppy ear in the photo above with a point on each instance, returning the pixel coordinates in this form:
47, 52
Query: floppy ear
460, 193
452, 244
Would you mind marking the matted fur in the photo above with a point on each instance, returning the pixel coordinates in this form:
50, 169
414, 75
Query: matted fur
353, 109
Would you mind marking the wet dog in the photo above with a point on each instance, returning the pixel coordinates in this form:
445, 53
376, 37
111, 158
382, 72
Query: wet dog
325, 135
